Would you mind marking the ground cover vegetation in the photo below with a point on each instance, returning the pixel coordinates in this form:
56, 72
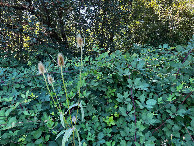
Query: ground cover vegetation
119, 74
141, 97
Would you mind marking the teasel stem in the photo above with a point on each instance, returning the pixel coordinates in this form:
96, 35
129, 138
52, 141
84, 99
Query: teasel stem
65, 91
57, 99
80, 83
52, 97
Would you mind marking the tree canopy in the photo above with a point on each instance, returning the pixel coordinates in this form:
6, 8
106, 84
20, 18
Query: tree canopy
33, 25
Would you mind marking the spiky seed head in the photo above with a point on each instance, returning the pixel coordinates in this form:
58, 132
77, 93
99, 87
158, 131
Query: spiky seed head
79, 41
50, 79
41, 68
60, 60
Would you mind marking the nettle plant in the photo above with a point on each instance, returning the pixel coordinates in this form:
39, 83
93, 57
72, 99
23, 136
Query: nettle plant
72, 125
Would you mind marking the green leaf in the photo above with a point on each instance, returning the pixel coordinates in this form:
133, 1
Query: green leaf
52, 143
67, 135
62, 121
140, 64
120, 97
192, 123
47, 137
123, 111
100, 135
60, 133
150, 103
78, 137
123, 143
137, 81
39, 141
181, 112
82, 111
129, 107
127, 72
37, 133
142, 98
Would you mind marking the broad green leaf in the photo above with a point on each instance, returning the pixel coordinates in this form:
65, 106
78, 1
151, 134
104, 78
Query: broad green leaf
37, 133
78, 137
61, 118
123, 143
137, 81
60, 134
181, 112
150, 103
129, 107
100, 135
39, 141
142, 98
123, 111
82, 111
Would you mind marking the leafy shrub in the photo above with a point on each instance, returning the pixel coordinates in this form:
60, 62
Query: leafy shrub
142, 97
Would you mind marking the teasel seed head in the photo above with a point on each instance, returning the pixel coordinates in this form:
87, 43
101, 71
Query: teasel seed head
80, 42
41, 68
50, 79
60, 60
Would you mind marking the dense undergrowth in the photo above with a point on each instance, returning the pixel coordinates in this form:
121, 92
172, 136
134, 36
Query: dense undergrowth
141, 97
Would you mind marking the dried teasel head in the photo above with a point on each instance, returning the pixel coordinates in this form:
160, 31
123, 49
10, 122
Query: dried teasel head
60, 60
50, 79
41, 68
80, 42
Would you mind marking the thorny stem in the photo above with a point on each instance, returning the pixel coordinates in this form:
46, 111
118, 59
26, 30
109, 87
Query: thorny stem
134, 107
172, 114
183, 62
78, 91
189, 133
56, 98
134, 111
